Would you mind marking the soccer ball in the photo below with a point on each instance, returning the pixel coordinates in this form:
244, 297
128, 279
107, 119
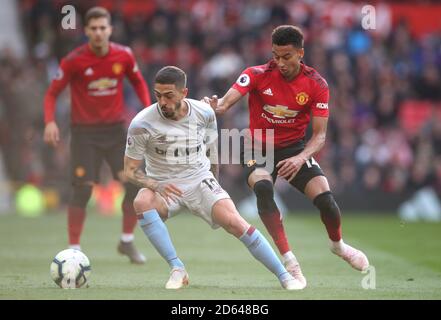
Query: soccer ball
70, 269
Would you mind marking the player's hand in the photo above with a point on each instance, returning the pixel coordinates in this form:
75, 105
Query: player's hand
169, 192
288, 168
214, 104
51, 134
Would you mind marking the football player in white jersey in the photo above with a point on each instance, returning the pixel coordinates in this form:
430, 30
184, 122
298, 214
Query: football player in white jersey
172, 137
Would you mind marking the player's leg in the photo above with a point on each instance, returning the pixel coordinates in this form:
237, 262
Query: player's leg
84, 163
76, 212
152, 210
261, 183
114, 155
224, 213
311, 181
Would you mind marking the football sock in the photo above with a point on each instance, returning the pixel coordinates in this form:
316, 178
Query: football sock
129, 218
75, 223
262, 251
270, 214
289, 256
329, 214
156, 231
127, 237
75, 247
337, 247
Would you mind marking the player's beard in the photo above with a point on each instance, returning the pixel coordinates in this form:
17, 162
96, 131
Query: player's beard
171, 114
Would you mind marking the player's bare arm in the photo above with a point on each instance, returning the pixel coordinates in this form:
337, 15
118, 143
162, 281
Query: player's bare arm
289, 167
51, 134
220, 106
136, 175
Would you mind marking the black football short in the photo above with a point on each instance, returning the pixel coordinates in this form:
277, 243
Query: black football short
309, 170
91, 145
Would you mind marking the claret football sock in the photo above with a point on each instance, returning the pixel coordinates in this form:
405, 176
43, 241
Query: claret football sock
75, 223
270, 215
274, 224
129, 218
156, 231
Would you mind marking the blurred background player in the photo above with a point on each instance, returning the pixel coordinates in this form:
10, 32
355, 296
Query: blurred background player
283, 95
173, 137
95, 73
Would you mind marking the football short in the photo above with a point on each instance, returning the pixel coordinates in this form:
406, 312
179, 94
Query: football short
91, 145
198, 197
309, 170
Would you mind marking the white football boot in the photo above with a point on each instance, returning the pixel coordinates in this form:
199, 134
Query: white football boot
354, 257
293, 267
178, 279
292, 284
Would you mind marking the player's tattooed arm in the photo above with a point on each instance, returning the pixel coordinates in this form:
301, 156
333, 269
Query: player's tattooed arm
136, 175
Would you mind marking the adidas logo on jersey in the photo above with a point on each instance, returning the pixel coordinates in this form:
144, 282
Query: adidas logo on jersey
88, 72
268, 92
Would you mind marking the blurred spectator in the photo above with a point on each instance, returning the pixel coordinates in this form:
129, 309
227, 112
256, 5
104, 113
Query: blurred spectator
385, 126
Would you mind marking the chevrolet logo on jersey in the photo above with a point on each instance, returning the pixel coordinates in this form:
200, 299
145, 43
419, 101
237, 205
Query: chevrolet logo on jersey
103, 84
279, 111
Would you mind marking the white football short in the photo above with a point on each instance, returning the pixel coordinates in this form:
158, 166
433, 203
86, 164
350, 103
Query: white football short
199, 197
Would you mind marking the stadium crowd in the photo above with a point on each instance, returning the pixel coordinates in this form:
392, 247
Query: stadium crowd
385, 126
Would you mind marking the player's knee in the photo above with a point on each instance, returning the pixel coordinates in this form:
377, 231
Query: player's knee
81, 194
144, 200
326, 203
130, 192
264, 189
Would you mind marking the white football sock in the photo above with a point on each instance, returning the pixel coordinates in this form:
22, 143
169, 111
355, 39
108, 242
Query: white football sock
337, 246
127, 237
75, 247
289, 256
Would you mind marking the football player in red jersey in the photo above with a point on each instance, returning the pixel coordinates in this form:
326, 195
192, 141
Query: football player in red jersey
284, 96
95, 73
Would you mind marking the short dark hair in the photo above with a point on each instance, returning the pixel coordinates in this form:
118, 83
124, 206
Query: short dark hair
286, 34
171, 75
95, 13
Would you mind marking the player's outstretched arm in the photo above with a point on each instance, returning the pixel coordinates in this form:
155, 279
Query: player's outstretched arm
136, 175
220, 106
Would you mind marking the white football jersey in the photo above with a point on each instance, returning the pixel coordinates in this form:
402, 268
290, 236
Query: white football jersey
173, 150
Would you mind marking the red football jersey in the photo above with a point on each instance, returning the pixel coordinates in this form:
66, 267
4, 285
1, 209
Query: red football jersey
284, 106
96, 85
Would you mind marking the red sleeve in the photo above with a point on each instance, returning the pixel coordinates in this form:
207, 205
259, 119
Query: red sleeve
245, 82
57, 85
137, 80
319, 105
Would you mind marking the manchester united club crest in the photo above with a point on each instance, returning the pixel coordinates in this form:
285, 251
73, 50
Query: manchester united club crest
302, 98
117, 68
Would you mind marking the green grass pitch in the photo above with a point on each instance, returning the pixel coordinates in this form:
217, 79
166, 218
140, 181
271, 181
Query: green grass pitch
406, 257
